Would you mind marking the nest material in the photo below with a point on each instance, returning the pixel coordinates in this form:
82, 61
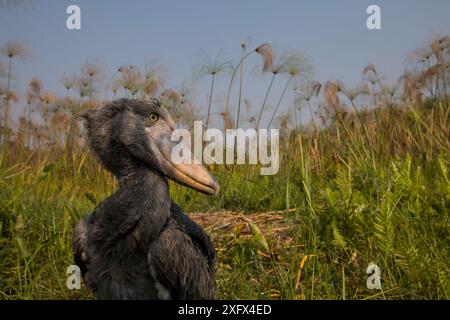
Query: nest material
273, 224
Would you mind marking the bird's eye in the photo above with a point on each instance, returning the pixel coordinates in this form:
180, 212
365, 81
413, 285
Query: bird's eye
153, 117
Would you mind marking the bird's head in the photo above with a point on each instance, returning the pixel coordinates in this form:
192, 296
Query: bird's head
127, 134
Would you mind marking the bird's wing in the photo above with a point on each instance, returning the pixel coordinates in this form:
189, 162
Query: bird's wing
79, 244
195, 232
179, 267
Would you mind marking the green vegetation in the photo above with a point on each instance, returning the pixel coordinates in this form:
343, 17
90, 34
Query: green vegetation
356, 185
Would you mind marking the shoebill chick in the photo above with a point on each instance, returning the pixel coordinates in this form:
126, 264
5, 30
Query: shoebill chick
137, 243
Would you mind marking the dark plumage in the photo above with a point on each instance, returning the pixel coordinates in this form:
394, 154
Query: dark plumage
138, 244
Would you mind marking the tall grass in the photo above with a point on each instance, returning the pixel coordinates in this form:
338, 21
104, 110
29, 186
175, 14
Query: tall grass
366, 185
348, 207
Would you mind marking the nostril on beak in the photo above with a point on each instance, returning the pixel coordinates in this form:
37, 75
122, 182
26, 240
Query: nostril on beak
172, 124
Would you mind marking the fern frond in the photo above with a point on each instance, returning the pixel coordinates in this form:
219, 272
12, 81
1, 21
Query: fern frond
338, 238
344, 184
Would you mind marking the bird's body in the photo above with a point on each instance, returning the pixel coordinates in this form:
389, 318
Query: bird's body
138, 244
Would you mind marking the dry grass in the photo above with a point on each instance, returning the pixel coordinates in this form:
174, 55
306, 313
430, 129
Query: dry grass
276, 225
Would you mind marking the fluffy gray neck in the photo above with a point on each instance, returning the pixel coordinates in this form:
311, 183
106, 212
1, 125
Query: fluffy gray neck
136, 213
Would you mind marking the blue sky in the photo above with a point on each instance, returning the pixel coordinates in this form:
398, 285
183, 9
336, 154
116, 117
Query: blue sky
332, 33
